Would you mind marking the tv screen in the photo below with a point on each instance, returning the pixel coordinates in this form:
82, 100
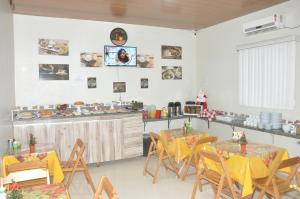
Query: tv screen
119, 56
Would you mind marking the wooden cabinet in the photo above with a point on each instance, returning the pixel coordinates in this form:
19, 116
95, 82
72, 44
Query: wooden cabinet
111, 137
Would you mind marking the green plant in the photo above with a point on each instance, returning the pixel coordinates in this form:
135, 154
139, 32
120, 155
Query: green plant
243, 139
14, 191
32, 139
187, 127
15, 194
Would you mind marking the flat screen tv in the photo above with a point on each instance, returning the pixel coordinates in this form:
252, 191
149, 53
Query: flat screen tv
119, 56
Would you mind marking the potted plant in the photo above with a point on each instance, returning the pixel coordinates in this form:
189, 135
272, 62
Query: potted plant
243, 144
187, 127
14, 191
32, 142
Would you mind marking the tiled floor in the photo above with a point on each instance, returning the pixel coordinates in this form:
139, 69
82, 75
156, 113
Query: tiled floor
127, 177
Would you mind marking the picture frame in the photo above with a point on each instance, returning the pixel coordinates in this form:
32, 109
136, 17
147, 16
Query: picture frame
119, 87
171, 73
91, 59
144, 83
118, 36
53, 47
92, 82
171, 52
54, 71
145, 61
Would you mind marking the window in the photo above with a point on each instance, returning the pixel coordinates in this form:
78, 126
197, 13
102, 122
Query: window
267, 73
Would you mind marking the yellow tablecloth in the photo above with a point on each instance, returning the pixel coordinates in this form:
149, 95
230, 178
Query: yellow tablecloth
50, 157
256, 163
180, 146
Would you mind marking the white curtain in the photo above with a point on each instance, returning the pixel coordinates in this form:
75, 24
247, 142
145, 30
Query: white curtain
267, 75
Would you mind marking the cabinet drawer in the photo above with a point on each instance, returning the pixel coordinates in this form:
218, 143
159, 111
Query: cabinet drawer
133, 151
133, 141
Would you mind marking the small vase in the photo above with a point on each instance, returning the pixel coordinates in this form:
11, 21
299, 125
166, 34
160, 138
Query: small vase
243, 148
31, 148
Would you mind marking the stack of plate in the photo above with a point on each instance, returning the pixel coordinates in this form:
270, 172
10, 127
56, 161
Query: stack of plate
276, 120
265, 118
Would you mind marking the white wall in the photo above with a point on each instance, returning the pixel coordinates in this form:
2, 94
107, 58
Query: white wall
92, 36
6, 73
218, 70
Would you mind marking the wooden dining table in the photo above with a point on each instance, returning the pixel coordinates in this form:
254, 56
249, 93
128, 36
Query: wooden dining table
45, 153
179, 143
243, 167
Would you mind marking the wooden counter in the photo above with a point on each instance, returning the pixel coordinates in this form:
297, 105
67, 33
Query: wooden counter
107, 137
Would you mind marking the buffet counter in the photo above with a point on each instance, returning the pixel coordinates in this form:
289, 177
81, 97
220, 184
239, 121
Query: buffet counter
108, 136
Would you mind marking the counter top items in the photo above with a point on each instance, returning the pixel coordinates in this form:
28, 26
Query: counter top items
177, 111
210, 114
202, 99
270, 121
192, 108
151, 111
252, 121
171, 109
78, 109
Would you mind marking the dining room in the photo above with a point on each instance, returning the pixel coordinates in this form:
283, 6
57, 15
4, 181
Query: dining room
149, 99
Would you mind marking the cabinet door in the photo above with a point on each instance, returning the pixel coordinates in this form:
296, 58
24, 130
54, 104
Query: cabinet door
110, 139
133, 136
40, 131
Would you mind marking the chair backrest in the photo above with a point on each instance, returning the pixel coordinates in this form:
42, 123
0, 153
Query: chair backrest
107, 187
36, 164
205, 140
211, 156
28, 173
278, 164
77, 152
224, 175
155, 138
195, 155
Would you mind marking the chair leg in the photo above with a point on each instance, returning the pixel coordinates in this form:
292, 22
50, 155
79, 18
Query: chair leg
157, 167
147, 163
150, 153
70, 179
88, 176
220, 187
196, 184
261, 194
186, 168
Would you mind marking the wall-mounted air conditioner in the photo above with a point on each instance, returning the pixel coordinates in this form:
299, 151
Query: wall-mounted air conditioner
269, 23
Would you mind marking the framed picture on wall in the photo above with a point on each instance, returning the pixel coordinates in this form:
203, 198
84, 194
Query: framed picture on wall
118, 36
53, 47
144, 82
171, 52
145, 61
54, 71
90, 59
171, 72
92, 82
119, 87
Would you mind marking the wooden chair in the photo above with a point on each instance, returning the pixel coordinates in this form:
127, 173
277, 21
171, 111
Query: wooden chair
222, 184
28, 174
193, 159
162, 155
276, 185
76, 163
106, 186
